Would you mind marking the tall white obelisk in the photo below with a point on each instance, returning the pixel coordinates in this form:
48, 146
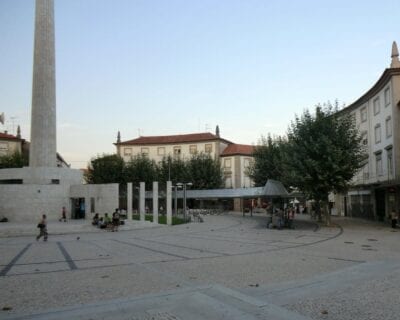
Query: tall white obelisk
43, 147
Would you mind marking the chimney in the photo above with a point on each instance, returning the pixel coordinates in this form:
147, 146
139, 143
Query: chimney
19, 132
395, 56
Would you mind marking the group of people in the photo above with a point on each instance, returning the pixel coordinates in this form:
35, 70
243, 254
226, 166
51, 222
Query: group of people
281, 218
107, 222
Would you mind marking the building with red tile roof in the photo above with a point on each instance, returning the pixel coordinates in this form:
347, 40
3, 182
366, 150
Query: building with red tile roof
10, 144
235, 158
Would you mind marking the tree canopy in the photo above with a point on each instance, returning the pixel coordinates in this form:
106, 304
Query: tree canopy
105, 169
201, 170
324, 151
321, 154
14, 160
268, 164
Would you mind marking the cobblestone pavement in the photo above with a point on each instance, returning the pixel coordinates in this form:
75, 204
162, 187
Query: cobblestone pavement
229, 267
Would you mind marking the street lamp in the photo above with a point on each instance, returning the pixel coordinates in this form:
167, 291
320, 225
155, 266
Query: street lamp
175, 190
184, 185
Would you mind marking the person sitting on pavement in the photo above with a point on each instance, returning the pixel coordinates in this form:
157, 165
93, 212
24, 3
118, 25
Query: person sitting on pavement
101, 223
95, 221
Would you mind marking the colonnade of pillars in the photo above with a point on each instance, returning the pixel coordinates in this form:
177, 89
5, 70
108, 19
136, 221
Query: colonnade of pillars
142, 197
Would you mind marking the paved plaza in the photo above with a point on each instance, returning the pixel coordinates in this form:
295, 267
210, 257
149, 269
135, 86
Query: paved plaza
229, 267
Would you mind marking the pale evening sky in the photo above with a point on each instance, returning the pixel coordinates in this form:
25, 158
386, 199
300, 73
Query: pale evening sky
163, 67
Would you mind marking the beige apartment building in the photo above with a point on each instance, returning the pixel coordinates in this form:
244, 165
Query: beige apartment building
10, 144
376, 188
235, 158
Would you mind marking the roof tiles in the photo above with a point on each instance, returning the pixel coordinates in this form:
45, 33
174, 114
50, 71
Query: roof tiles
174, 139
238, 149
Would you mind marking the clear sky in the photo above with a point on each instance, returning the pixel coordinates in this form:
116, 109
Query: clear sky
160, 67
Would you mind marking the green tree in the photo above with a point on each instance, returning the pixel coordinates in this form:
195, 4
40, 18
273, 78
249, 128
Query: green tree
105, 169
323, 154
204, 172
174, 169
141, 169
268, 161
14, 160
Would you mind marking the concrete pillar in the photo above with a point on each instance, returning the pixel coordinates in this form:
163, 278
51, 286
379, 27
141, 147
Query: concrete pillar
88, 214
43, 118
142, 198
129, 200
155, 202
169, 203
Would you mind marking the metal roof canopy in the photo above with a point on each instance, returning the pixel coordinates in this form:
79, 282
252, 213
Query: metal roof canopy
272, 188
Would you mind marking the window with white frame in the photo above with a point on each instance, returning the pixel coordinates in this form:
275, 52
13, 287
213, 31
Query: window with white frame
377, 106
193, 149
378, 162
387, 97
378, 133
363, 114
388, 127
4, 148
364, 138
247, 162
177, 151
389, 153
127, 151
145, 151
366, 172
208, 148
161, 151
227, 163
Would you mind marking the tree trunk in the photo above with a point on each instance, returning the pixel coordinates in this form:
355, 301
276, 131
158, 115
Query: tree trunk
327, 213
318, 210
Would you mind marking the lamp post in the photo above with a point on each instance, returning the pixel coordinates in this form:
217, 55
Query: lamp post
136, 196
184, 185
175, 190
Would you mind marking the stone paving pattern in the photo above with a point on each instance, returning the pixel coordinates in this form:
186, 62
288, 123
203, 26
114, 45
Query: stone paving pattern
229, 267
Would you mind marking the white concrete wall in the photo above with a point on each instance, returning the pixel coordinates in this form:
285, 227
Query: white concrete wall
21, 203
42, 175
105, 197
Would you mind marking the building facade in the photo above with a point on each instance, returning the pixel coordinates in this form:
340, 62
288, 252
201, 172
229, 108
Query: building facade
235, 161
10, 144
234, 158
376, 188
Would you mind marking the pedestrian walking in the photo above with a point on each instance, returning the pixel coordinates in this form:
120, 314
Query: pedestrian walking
63, 215
42, 225
115, 220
